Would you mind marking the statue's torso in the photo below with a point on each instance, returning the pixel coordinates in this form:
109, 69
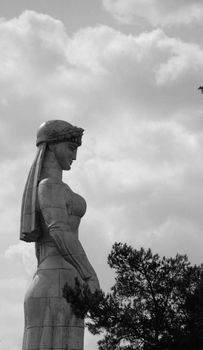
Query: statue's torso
46, 250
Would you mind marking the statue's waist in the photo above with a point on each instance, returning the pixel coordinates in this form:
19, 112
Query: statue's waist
45, 249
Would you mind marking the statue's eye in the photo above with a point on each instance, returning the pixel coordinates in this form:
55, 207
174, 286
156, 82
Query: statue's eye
73, 139
72, 147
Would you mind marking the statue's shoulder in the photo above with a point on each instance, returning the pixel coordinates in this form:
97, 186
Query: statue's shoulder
51, 192
67, 188
50, 185
50, 181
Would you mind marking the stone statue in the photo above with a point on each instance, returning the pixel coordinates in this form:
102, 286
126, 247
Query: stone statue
50, 217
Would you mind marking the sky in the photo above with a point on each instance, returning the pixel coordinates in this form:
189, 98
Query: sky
128, 72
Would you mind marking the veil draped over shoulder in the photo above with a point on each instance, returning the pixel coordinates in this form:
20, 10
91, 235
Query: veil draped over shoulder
29, 230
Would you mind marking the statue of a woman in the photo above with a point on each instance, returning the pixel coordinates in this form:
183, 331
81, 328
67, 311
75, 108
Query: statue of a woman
51, 214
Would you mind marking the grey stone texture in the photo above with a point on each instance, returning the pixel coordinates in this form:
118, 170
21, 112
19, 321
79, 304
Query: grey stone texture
50, 323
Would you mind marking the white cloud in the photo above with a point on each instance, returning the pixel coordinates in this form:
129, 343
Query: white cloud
140, 164
104, 78
155, 12
11, 316
85, 76
184, 58
90, 342
25, 253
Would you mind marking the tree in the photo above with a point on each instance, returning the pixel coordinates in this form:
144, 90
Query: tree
201, 89
155, 303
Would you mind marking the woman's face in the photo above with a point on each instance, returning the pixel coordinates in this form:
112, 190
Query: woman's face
65, 153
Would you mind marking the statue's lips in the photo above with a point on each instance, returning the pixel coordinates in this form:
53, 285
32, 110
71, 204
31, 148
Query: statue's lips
69, 163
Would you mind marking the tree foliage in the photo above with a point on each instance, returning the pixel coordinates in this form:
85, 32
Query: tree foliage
155, 303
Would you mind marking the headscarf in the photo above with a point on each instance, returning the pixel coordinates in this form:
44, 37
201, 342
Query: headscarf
52, 131
30, 230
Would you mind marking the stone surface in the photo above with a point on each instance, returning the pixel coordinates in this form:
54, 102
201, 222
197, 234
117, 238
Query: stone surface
49, 320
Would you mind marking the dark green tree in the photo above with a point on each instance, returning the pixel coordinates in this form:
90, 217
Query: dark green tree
155, 303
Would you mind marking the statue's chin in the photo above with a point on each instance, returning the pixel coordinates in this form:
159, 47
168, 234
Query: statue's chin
65, 165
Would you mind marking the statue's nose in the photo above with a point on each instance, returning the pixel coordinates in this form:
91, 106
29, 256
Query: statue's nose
74, 155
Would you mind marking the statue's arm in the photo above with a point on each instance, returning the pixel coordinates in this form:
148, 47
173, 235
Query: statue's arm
52, 204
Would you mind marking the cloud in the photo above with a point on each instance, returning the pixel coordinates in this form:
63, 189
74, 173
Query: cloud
84, 76
32, 47
25, 253
11, 316
132, 94
90, 342
140, 165
155, 12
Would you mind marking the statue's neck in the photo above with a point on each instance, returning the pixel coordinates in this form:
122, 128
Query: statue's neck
51, 168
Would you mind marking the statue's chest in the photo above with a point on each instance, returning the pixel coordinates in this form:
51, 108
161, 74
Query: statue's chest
76, 204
